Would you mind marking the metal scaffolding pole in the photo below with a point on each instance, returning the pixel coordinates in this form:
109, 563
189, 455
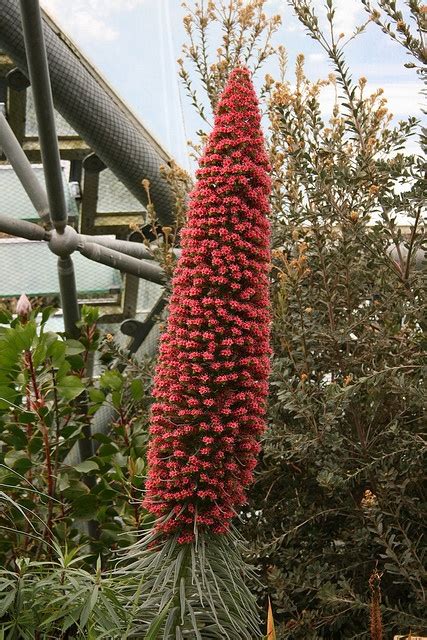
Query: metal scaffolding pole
65, 243
135, 249
63, 240
70, 307
23, 229
147, 270
22, 167
43, 103
38, 71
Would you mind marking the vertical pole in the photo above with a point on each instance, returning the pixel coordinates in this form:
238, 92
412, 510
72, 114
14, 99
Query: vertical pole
38, 71
43, 103
70, 307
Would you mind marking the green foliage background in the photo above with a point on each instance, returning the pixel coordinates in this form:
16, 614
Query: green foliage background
339, 490
62, 515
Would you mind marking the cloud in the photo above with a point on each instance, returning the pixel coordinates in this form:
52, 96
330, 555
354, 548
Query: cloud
403, 98
109, 6
276, 5
348, 15
316, 57
89, 19
383, 70
293, 27
92, 27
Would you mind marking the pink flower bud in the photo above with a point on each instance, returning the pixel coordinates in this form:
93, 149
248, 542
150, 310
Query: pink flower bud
23, 306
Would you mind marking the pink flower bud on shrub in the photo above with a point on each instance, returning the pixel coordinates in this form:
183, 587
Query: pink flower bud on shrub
23, 307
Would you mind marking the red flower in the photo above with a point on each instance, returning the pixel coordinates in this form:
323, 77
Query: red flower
211, 379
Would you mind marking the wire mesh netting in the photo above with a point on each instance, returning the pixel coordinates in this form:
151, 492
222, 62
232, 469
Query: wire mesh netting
113, 197
29, 267
15, 203
31, 130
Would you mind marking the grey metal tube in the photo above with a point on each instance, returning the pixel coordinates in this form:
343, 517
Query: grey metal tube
22, 167
68, 292
43, 103
83, 99
134, 249
65, 243
106, 414
22, 229
140, 330
148, 271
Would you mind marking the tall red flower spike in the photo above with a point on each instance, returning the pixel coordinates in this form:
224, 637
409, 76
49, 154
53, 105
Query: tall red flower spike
211, 380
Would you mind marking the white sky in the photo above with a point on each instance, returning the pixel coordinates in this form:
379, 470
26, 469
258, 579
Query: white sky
135, 44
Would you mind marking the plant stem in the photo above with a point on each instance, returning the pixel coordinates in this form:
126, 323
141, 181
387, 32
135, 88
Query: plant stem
46, 443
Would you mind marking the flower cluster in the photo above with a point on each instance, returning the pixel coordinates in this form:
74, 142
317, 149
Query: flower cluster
211, 380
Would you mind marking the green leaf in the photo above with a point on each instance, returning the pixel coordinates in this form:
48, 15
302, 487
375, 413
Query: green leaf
18, 436
86, 466
73, 347
116, 399
77, 362
7, 601
5, 316
153, 632
106, 450
23, 465
90, 315
102, 437
35, 444
63, 482
111, 380
137, 389
96, 395
76, 490
22, 336
47, 312
89, 606
85, 506
8, 396
27, 417
69, 387
56, 351
13, 456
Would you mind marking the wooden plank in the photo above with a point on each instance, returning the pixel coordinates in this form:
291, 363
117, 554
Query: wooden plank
89, 202
16, 113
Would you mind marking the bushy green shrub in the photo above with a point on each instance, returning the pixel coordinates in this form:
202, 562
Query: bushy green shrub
339, 489
47, 408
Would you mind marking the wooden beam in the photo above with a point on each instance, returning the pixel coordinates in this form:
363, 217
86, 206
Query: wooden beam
69, 149
130, 295
16, 111
89, 202
117, 220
